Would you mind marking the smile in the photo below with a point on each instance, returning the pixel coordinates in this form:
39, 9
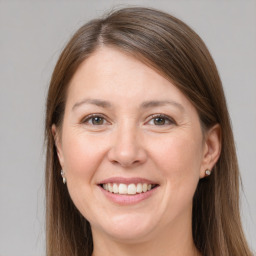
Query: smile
128, 189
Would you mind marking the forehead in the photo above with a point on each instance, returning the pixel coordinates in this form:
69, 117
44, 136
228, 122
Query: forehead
113, 75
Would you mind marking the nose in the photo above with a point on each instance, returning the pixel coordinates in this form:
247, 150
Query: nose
127, 149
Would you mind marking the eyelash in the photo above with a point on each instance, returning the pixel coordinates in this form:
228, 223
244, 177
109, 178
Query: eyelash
87, 119
162, 116
166, 118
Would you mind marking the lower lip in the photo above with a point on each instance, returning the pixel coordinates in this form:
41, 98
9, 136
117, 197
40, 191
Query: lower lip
128, 199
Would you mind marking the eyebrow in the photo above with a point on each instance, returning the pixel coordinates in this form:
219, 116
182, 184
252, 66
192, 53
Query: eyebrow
158, 103
146, 104
97, 102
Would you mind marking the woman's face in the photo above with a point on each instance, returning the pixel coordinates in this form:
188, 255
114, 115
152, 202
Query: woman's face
131, 148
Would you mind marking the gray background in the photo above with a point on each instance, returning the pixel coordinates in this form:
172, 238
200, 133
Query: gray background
32, 34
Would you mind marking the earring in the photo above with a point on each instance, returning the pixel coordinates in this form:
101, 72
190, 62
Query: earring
63, 176
208, 172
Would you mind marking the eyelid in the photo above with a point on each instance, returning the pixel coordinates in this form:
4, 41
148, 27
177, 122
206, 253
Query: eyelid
88, 117
170, 119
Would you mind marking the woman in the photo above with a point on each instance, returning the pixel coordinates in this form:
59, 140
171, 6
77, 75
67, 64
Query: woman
138, 131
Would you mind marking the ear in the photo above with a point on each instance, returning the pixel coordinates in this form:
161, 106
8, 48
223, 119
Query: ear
57, 139
212, 149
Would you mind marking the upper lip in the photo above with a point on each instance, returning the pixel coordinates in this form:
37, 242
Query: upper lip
123, 180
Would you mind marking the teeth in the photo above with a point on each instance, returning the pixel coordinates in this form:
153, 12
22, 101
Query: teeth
122, 189
130, 189
139, 188
144, 187
115, 188
110, 187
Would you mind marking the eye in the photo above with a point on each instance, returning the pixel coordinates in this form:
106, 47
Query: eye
161, 120
94, 120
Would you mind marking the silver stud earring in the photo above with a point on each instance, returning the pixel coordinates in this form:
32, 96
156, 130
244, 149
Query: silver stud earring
63, 176
208, 172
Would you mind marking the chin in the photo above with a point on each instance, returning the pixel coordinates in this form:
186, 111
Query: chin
128, 229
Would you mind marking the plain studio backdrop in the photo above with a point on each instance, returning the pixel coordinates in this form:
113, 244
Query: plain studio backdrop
32, 34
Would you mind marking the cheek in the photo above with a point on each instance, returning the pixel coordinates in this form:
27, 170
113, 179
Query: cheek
179, 160
179, 163
181, 154
82, 156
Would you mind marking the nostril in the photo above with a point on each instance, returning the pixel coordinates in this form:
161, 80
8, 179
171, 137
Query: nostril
127, 153
114, 162
124, 160
129, 163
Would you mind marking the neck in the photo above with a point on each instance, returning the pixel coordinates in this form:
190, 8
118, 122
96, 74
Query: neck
153, 248
172, 241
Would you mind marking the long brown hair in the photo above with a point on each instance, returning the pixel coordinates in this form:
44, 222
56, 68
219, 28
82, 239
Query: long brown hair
177, 52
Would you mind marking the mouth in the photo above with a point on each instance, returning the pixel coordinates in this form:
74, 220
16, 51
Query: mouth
128, 189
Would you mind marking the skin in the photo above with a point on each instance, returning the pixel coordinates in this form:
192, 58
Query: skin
129, 141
